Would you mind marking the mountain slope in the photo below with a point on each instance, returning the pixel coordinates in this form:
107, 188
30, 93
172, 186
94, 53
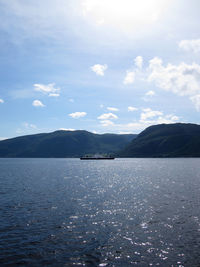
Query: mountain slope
166, 140
63, 144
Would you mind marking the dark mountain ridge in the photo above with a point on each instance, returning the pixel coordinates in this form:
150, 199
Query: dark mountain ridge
61, 143
166, 140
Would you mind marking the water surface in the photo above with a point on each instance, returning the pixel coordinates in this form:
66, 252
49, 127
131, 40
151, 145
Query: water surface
125, 212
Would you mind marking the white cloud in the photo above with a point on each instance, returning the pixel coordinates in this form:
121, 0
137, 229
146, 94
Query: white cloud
107, 116
47, 89
151, 117
38, 103
106, 119
132, 108
190, 45
27, 128
3, 138
135, 127
149, 113
77, 115
130, 77
54, 95
136, 71
112, 109
138, 126
147, 118
196, 100
67, 129
29, 125
101, 106
182, 79
122, 132
106, 123
150, 93
162, 119
138, 62
71, 100
147, 97
99, 69
1, 100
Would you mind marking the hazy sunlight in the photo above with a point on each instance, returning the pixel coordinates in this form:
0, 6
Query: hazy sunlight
124, 14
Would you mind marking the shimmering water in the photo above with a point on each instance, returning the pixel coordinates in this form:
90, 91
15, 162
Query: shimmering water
67, 212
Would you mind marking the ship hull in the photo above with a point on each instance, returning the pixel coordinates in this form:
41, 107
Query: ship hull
95, 158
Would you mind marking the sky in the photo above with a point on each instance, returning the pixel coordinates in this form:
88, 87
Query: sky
98, 65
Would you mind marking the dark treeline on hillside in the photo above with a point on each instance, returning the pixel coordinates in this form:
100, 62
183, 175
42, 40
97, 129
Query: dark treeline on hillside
164, 140
61, 144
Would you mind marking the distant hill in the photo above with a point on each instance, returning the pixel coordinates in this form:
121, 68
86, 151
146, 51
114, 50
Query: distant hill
165, 140
60, 144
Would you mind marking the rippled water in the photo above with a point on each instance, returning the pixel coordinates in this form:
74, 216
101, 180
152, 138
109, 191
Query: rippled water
67, 212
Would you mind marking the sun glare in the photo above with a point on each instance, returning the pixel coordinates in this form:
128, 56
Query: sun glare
124, 14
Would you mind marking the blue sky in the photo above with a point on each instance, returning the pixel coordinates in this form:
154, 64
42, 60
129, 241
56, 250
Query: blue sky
102, 66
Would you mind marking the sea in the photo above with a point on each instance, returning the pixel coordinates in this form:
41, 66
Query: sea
122, 212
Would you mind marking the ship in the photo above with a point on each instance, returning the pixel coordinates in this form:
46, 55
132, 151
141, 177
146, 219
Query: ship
96, 157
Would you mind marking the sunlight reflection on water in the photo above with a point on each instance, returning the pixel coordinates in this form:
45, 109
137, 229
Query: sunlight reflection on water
100, 213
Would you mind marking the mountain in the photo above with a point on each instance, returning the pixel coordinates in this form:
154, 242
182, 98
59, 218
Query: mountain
60, 144
165, 140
